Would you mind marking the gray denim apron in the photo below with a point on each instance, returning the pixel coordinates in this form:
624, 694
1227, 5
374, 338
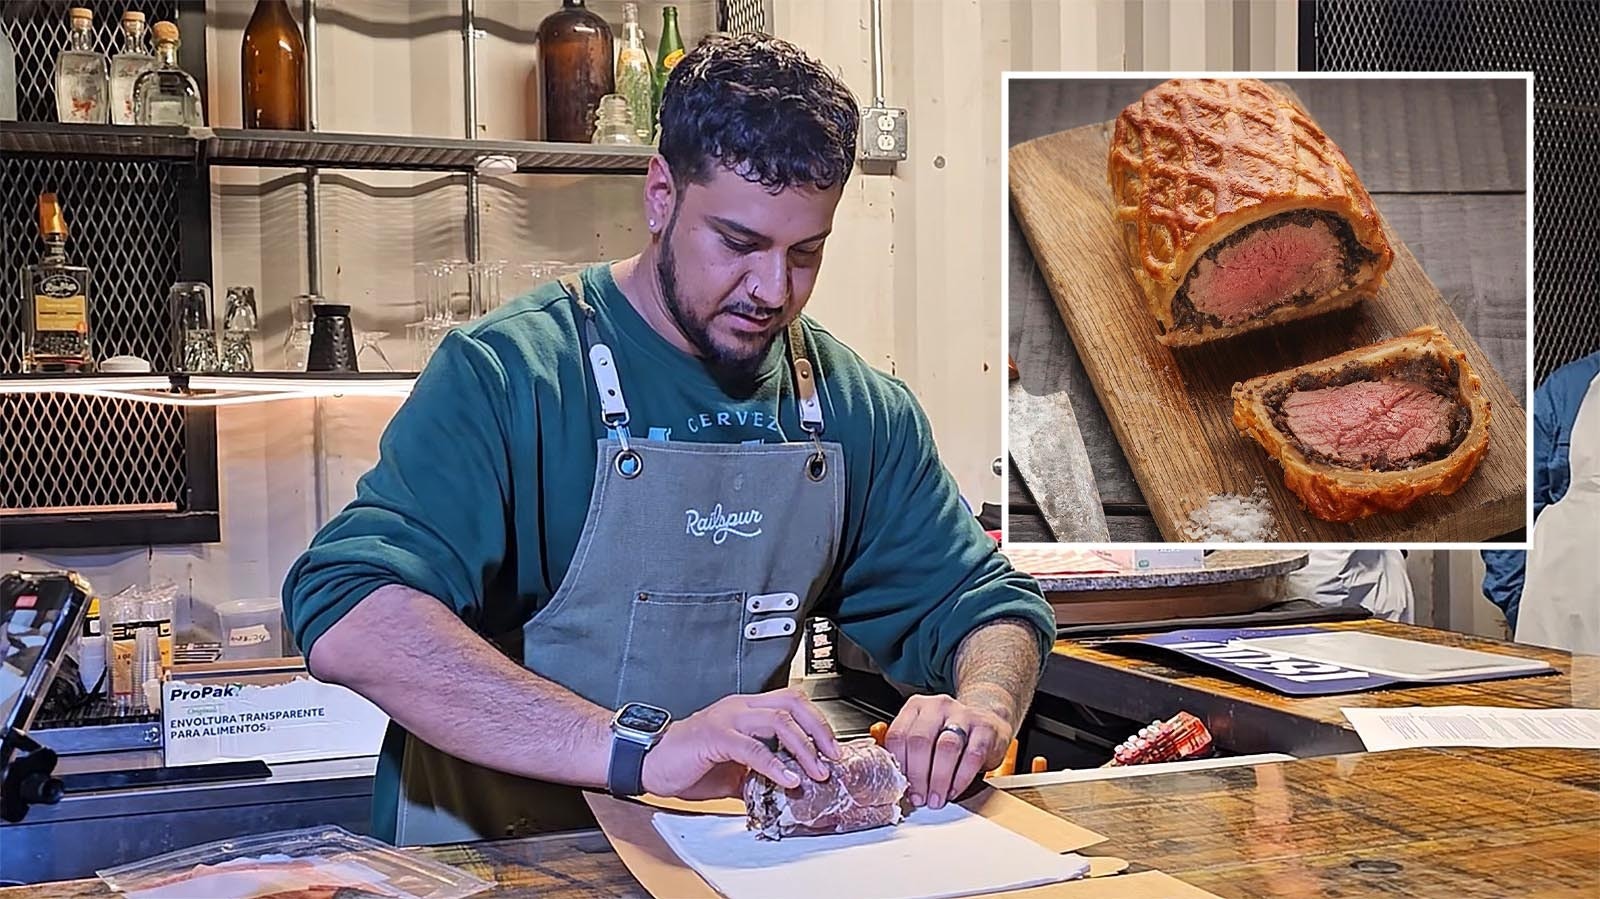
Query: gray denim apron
695, 569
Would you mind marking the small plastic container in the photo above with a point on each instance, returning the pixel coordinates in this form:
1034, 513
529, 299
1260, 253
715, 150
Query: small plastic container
246, 628
291, 862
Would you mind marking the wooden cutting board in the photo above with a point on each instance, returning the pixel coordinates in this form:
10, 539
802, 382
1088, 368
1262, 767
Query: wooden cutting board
1171, 408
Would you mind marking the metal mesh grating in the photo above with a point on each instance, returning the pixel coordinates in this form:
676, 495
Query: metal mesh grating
1559, 41
71, 451
67, 451
742, 16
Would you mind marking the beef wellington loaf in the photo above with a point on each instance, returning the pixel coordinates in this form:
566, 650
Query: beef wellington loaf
864, 789
1371, 430
1237, 212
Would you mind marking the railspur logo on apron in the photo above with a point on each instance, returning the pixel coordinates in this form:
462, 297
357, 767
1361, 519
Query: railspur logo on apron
719, 524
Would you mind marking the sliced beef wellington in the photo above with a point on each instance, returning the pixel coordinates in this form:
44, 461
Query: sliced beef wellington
864, 789
1371, 430
1237, 211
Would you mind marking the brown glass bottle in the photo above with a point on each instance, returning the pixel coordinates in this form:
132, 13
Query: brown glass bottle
272, 65
576, 67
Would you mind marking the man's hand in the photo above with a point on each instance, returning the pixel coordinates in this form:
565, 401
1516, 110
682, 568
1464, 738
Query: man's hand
705, 755
927, 740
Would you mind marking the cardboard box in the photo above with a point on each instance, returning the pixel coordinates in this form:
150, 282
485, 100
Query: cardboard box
628, 827
282, 717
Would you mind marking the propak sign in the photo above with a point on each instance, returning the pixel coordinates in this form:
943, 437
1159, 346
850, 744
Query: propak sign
298, 720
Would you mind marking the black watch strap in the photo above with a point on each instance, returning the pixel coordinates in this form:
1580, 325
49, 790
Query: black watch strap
625, 777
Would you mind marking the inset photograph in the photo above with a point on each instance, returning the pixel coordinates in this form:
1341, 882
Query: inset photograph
1268, 310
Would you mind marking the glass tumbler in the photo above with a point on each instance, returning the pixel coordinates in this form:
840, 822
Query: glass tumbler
194, 327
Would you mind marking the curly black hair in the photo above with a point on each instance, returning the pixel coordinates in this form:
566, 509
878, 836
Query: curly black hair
762, 108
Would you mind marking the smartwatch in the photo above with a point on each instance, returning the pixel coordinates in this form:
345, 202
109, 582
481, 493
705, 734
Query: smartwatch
635, 729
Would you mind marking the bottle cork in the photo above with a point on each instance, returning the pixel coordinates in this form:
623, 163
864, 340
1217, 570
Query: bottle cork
79, 12
51, 222
133, 16
165, 31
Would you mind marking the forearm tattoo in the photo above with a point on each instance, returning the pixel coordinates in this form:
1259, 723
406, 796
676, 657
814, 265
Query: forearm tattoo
997, 668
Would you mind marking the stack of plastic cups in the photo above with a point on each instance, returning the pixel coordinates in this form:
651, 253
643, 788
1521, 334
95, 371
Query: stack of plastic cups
146, 664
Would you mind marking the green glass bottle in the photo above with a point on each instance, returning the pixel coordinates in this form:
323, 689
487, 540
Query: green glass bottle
669, 53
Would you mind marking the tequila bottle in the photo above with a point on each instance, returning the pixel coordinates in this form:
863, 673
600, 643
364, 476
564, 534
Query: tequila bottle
55, 302
134, 60
635, 80
81, 80
166, 95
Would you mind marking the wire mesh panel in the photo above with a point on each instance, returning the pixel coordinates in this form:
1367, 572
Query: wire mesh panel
742, 16
73, 452
1559, 41
123, 218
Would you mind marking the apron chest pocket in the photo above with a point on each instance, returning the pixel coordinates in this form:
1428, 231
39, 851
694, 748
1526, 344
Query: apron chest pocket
681, 650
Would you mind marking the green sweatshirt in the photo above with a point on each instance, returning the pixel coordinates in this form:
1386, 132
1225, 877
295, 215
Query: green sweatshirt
484, 475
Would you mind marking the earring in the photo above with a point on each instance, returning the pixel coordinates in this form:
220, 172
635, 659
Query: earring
652, 224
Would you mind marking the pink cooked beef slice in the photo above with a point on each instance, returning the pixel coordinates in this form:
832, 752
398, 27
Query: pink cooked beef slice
1269, 267
1369, 421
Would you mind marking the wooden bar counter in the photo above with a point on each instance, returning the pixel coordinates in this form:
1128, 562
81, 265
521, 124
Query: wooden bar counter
1147, 684
1415, 823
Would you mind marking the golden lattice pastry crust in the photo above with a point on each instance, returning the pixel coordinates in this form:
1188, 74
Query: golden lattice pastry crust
1335, 493
1194, 160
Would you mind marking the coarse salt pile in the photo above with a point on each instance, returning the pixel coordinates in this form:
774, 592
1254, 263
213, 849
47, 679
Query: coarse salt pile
1233, 518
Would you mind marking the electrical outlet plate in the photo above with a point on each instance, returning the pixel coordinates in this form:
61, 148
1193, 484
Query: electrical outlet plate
883, 133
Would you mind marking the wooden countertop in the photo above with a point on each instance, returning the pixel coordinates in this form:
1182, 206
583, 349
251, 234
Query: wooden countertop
1221, 567
1246, 718
1417, 823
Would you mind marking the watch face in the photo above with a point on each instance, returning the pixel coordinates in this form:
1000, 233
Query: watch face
641, 717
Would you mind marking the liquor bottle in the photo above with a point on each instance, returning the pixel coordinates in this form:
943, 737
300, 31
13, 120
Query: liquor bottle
55, 302
272, 65
81, 79
575, 60
635, 80
8, 79
166, 95
669, 53
134, 60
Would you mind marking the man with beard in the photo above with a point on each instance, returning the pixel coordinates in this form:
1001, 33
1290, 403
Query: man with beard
598, 523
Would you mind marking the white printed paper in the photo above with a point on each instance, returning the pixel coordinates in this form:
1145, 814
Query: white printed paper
1463, 725
933, 854
1395, 657
301, 720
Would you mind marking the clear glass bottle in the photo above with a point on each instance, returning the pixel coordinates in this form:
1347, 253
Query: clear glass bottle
55, 299
81, 76
166, 95
8, 79
133, 60
635, 79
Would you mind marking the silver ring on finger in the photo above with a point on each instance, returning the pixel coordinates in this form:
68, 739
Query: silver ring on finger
955, 729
